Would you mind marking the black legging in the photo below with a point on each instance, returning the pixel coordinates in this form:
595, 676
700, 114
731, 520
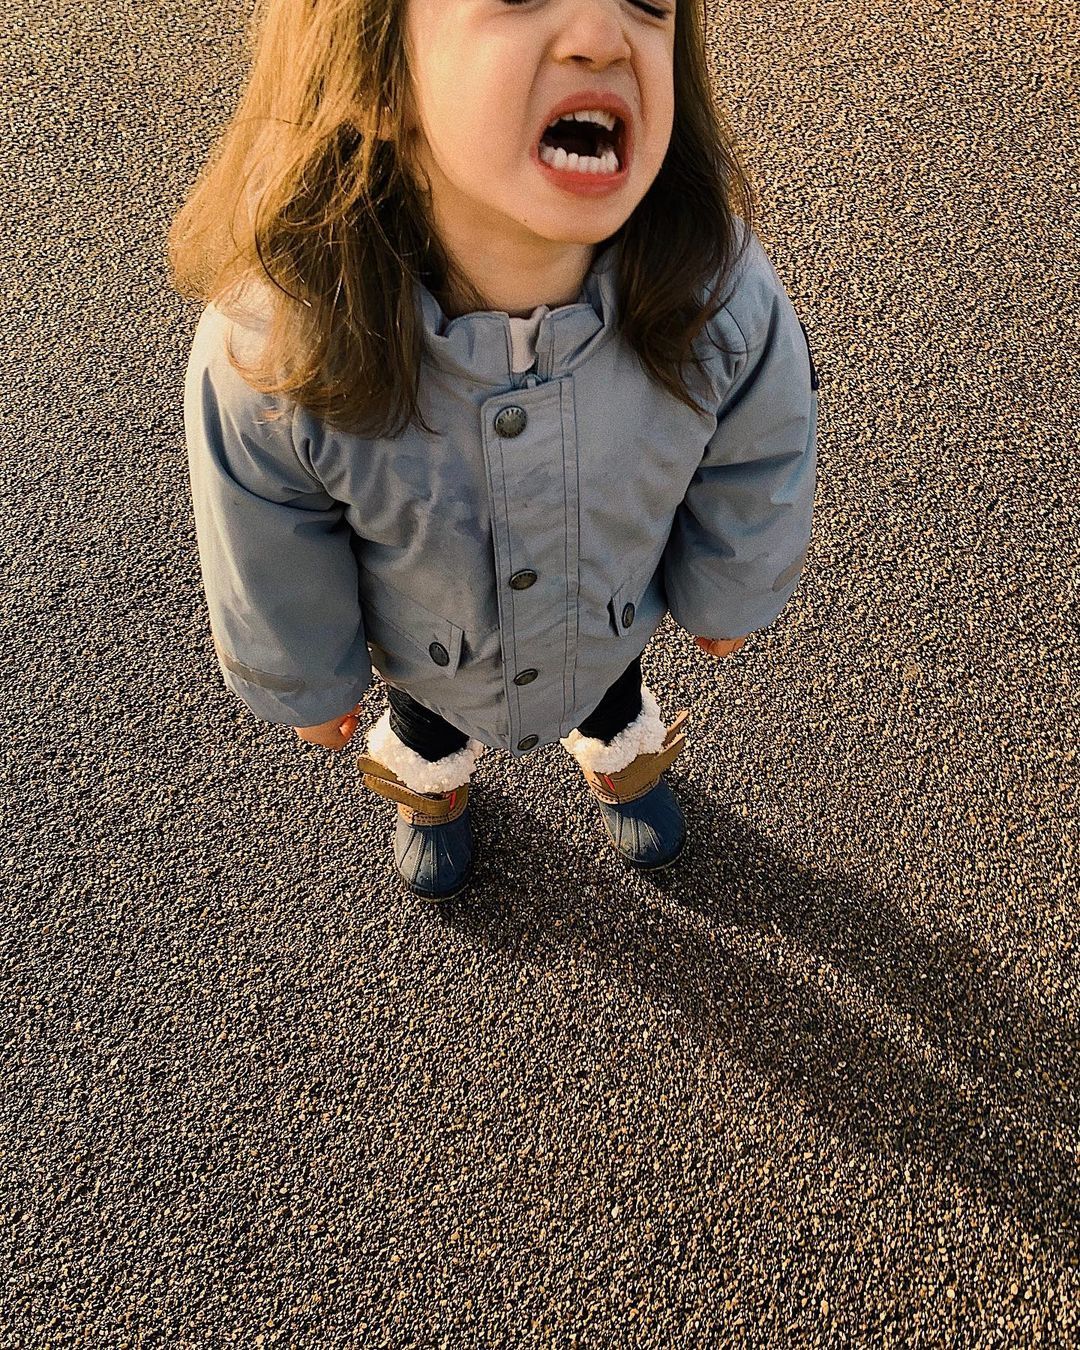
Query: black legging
432, 737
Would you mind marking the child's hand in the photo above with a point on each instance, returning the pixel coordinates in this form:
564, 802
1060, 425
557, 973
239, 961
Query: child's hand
720, 646
335, 734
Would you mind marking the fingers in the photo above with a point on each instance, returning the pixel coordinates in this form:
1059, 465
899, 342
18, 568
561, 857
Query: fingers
329, 740
334, 734
720, 647
348, 724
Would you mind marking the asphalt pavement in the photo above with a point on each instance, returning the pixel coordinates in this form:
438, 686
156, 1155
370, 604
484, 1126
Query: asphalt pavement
818, 1087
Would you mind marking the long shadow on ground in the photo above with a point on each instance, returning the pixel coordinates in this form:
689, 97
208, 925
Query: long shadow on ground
905, 1042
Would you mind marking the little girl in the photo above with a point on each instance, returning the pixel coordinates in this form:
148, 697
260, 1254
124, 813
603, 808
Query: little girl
492, 374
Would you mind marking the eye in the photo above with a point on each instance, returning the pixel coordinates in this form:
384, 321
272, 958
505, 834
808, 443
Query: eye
651, 10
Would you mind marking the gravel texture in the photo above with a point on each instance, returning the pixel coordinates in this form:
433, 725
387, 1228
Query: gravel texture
818, 1087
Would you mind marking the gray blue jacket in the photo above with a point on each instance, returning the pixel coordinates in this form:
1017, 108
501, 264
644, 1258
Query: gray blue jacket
507, 569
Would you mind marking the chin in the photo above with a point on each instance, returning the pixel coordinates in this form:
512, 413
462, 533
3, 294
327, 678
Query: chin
584, 238
602, 226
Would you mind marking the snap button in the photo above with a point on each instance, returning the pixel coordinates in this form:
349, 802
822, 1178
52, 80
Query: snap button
528, 742
526, 677
627, 615
521, 581
439, 654
511, 422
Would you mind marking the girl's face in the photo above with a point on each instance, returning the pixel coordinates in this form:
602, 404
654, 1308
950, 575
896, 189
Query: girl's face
487, 78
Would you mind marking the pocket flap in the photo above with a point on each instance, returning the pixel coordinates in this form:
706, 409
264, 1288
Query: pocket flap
392, 617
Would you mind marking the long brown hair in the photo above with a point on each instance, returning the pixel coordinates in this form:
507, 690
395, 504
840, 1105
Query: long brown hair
306, 187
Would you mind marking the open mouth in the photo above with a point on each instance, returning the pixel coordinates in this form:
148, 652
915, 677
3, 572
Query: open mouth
590, 141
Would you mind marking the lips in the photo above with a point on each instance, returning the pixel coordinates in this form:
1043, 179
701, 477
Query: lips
605, 101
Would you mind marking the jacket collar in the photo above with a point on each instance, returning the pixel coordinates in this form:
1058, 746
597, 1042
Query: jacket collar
479, 346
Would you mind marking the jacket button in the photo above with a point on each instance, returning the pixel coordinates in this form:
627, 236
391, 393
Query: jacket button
526, 677
511, 422
439, 654
528, 742
521, 581
627, 615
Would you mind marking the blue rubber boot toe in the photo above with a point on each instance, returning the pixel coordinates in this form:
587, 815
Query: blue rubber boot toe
434, 861
650, 832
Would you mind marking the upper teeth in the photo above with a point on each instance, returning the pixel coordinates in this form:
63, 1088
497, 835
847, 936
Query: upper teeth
604, 119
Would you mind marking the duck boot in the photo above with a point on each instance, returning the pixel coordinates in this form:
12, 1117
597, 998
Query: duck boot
433, 843
638, 808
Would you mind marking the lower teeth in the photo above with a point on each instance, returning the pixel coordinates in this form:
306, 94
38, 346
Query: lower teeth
559, 159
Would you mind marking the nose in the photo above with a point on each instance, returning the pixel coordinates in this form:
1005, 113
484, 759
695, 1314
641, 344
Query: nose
593, 32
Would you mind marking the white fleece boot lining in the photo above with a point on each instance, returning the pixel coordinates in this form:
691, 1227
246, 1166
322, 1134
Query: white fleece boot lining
644, 736
416, 772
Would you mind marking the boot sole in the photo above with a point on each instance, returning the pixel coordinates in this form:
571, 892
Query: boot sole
656, 867
435, 896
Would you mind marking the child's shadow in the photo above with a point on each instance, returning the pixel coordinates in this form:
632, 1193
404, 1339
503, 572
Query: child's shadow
906, 1041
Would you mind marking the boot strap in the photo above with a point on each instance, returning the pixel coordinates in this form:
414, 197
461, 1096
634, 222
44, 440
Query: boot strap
418, 809
641, 775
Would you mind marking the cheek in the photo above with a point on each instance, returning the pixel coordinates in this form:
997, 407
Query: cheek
469, 113
664, 113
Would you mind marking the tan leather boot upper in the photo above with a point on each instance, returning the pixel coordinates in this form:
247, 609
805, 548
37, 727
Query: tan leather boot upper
641, 775
417, 808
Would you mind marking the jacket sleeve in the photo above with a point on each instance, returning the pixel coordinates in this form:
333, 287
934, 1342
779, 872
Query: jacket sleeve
740, 536
275, 549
